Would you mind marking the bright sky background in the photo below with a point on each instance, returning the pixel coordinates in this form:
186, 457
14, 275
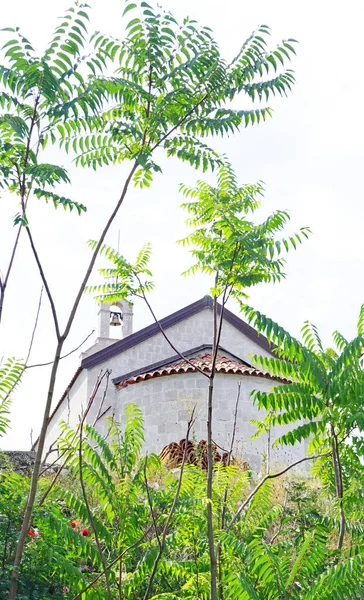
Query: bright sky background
309, 155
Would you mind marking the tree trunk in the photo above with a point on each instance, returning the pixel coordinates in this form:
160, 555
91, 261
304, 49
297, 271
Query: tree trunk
268, 449
210, 527
33, 486
339, 485
61, 340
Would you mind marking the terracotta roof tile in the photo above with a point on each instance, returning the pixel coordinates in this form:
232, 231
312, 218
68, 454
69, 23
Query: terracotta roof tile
202, 362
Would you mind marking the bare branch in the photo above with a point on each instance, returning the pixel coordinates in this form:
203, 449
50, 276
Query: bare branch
113, 562
231, 453
150, 501
144, 297
54, 463
103, 398
87, 504
262, 482
97, 250
162, 541
65, 462
35, 325
52, 448
46, 364
45, 283
103, 414
4, 282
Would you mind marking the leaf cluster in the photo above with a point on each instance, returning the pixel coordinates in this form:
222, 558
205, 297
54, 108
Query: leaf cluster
124, 280
11, 372
227, 243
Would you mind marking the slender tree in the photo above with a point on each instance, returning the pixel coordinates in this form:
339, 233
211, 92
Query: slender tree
169, 88
234, 250
37, 94
238, 254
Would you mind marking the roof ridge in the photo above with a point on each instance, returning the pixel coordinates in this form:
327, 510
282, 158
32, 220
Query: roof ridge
172, 319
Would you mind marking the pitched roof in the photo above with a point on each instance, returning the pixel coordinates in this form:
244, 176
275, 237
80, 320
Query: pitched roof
202, 362
176, 317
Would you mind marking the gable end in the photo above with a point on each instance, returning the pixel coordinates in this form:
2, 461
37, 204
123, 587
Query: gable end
169, 321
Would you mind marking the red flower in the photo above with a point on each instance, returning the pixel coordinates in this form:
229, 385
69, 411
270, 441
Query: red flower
73, 524
31, 533
85, 532
65, 590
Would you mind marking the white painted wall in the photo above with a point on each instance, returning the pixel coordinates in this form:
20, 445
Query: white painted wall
187, 334
167, 402
70, 409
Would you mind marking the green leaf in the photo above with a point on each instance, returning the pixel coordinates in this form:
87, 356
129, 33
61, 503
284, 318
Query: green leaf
129, 7
60, 200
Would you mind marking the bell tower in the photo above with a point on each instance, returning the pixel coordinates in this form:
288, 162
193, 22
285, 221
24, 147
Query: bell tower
109, 318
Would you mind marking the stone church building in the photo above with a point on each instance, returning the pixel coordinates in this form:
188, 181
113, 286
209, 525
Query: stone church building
146, 371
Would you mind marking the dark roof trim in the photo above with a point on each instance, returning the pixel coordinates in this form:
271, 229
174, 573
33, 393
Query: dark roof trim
64, 395
176, 317
174, 359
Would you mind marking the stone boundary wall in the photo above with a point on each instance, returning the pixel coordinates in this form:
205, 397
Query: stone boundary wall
20, 461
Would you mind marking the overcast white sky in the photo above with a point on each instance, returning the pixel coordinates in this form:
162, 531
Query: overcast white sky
310, 156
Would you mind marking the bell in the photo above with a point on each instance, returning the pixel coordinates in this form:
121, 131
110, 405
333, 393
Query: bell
116, 319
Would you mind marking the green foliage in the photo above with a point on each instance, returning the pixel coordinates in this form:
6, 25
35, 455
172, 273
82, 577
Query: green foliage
273, 551
105, 100
320, 396
60, 200
323, 386
37, 93
125, 280
308, 574
226, 243
10, 375
170, 88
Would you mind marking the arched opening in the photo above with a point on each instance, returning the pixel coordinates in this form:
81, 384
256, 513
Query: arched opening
116, 322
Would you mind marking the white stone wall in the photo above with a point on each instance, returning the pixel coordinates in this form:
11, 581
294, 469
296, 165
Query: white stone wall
70, 409
187, 334
167, 403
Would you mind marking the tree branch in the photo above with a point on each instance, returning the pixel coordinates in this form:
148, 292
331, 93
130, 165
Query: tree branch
46, 364
88, 508
113, 562
97, 249
24, 204
35, 326
262, 482
144, 297
60, 341
89, 405
45, 283
180, 122
171, 512
4, 283
231, 453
